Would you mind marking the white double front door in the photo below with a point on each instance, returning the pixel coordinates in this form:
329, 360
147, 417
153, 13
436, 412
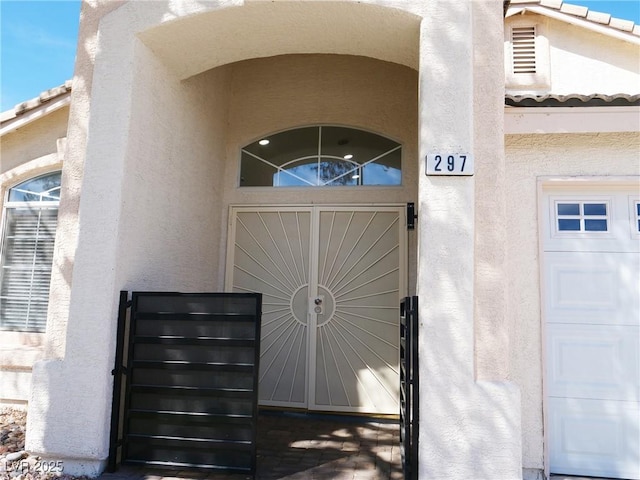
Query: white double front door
331, 279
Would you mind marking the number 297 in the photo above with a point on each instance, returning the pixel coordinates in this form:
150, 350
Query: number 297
449, 164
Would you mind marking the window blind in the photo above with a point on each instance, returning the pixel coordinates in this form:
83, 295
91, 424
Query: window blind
27, 258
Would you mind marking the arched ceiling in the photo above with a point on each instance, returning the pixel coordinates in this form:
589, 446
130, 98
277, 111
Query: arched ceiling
207, 40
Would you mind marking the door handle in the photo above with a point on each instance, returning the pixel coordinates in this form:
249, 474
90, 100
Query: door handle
317, 305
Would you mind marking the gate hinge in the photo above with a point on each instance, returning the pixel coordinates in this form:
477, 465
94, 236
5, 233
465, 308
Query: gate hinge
122, 370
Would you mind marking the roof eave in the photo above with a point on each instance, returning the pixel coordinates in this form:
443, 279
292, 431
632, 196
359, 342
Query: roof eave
9, 123
578, 21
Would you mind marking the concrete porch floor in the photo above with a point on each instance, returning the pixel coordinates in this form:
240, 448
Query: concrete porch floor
297, 446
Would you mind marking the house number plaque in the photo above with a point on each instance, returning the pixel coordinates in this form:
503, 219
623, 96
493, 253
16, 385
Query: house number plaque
449, 164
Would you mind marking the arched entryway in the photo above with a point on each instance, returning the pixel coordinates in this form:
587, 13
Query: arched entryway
176, 91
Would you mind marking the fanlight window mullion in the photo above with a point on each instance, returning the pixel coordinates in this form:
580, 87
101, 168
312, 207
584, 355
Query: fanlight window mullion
319, 157
319, 166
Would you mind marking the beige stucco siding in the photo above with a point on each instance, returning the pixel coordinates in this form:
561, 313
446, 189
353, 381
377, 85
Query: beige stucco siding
573, 59
586, 62
33, 140
172, 193
29, 151
154, 150
184, 156
528, 158
288, 91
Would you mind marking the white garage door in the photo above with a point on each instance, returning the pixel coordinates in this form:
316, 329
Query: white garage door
591, 243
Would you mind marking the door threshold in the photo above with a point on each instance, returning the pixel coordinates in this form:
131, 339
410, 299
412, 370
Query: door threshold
346, 417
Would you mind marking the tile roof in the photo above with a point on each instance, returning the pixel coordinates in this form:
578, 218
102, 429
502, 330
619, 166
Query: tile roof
572, 100
580, 12
42, 99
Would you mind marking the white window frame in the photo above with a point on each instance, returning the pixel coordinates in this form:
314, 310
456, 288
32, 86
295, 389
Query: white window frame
8, 205
634, 216
357, 167
554, 200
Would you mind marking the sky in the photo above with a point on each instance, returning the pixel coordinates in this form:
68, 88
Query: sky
38, 42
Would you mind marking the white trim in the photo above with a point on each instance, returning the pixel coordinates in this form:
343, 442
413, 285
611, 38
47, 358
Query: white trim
312, 317
30, 169
35, 114
545, 120
581, 182
542, 212
634, 216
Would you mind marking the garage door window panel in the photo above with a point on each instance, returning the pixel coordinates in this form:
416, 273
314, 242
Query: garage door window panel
582, 216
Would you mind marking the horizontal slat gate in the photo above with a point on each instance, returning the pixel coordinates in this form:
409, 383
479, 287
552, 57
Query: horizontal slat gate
191, 381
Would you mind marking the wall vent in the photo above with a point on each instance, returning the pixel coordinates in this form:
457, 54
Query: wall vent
523, 41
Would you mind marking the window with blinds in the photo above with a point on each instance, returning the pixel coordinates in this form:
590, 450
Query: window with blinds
29, 223
523, 41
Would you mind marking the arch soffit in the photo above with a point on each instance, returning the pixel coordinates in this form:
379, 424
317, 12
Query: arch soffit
199, 42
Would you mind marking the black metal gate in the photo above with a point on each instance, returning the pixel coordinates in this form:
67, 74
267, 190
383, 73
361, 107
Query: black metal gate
186, 381
409, 386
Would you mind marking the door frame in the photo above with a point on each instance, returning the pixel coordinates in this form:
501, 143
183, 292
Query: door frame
315, 209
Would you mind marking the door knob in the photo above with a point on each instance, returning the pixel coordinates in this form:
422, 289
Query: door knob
317, 304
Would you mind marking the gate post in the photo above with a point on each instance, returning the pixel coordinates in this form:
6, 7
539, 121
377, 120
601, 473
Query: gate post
118, 372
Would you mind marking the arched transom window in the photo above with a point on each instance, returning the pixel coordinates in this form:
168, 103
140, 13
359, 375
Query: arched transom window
30, 218
321, 156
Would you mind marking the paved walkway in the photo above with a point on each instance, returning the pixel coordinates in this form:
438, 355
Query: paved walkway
297, 447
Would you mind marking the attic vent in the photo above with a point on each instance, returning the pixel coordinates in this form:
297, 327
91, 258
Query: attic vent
523, 40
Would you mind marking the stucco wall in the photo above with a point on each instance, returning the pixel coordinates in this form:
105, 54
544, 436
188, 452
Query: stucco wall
288, 91
529, 157
472, 418
588, 62
35, 149
34, 140
172, 203
582, 61
150, 219
140, 127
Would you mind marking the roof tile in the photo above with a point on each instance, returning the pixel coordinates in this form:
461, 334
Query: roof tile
599, 17
620, 24
576, 10
572, 100
44, 97
581, 12
556, 4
